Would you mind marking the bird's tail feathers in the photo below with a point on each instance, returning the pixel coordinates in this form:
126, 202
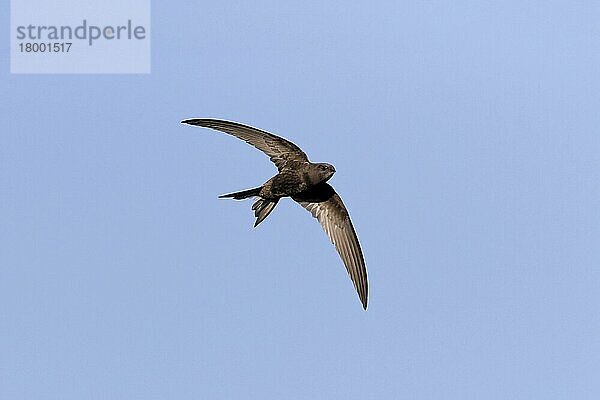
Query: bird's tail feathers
262, 208
244, 194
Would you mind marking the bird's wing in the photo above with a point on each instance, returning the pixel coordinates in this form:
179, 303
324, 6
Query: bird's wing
282, 152
326, 205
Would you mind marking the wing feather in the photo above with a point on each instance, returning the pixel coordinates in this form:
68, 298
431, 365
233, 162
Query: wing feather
282, 152
327, 207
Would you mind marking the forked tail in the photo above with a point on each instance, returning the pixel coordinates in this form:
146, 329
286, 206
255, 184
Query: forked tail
262, 207
244, 194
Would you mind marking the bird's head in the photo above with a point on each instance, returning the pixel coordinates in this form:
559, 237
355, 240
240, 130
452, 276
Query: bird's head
324, 171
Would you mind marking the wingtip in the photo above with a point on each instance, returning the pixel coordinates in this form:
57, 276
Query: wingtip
195, 121
199, 121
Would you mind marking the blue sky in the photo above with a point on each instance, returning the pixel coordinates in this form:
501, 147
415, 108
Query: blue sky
465, 138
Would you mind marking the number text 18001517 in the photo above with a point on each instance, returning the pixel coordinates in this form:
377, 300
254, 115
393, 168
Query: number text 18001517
45, 47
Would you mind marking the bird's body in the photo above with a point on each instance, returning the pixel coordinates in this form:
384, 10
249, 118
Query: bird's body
284, 184
305, 183
291, 181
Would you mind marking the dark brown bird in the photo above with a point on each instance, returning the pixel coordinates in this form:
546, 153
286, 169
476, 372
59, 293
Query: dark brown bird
304, 182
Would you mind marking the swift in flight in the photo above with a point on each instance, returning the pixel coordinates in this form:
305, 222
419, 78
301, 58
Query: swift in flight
306, 183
